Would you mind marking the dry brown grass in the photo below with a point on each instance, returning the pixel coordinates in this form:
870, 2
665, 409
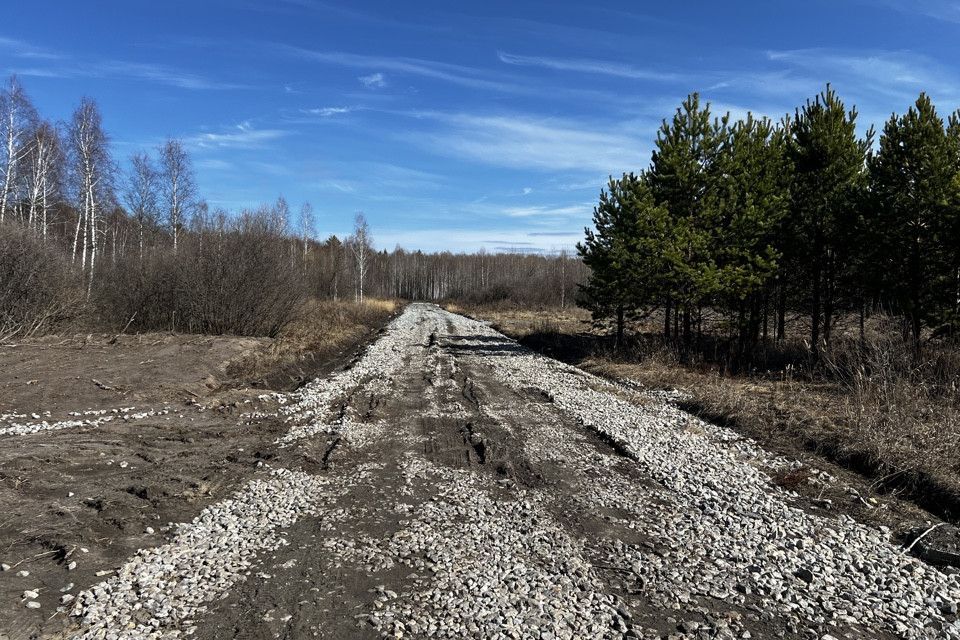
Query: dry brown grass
893, 428
320, 327
518, 322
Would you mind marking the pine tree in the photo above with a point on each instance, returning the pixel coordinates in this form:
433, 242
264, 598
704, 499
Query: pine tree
752, 197
914, 177
683, 175
953, 222
624, 252
829, 181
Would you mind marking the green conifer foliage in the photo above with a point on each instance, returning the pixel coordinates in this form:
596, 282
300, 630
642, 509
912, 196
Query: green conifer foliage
683, 175
624, 251
914, 181
829, 184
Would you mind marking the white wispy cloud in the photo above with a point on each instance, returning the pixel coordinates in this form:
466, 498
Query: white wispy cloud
242, 136
444, 71
532, 143
373, 81
46, 63
576, 184
152, 73
326, 112
21, 49
881, 75
545, 211
494, 239
601, 67
215, 164
944, 10
379, 181
335, 185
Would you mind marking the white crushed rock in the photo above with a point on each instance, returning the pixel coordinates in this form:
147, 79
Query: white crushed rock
725, 531
489, 568
89, 418
166, 587
502, 566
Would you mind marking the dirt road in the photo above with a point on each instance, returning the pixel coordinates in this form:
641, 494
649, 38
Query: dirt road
453, 484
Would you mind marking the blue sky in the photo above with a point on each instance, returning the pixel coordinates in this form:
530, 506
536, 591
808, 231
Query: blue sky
456, 125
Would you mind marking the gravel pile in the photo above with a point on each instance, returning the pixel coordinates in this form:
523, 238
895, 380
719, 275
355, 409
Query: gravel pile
161, 590
725, 532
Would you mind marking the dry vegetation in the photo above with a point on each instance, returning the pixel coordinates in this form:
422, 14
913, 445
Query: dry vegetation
873, 407
321, 330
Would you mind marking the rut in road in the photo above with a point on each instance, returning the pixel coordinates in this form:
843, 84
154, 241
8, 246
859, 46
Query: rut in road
453, 484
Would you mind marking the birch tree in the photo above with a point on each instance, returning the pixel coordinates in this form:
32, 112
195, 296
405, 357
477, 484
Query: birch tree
360, 246
179, 187
44, 161
141, 194
17, 115
92, 171
306, 229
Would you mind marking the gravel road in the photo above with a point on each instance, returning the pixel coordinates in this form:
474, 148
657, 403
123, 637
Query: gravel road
452, 484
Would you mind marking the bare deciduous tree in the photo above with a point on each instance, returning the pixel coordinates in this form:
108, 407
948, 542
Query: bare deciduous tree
361, 247
179, 188
306, 229
562, 262
141, 194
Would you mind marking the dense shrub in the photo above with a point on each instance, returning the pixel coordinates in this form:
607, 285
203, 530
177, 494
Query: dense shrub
37, 289
236, 277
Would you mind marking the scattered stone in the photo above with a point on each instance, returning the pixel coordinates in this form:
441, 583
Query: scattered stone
804, 574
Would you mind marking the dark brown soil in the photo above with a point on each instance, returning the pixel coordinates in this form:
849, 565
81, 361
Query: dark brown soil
89, 494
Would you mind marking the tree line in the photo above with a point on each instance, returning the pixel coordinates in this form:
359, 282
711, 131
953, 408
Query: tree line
754, 218
137, 246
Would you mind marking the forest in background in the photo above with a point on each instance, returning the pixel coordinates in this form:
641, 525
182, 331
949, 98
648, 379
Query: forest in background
133, 245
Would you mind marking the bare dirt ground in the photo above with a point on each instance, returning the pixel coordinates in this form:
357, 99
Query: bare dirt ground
121, 437
450, 483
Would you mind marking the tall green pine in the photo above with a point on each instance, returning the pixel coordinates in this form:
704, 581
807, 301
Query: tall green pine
623, 251
829, 183
683, 174
752, 196
914, 181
